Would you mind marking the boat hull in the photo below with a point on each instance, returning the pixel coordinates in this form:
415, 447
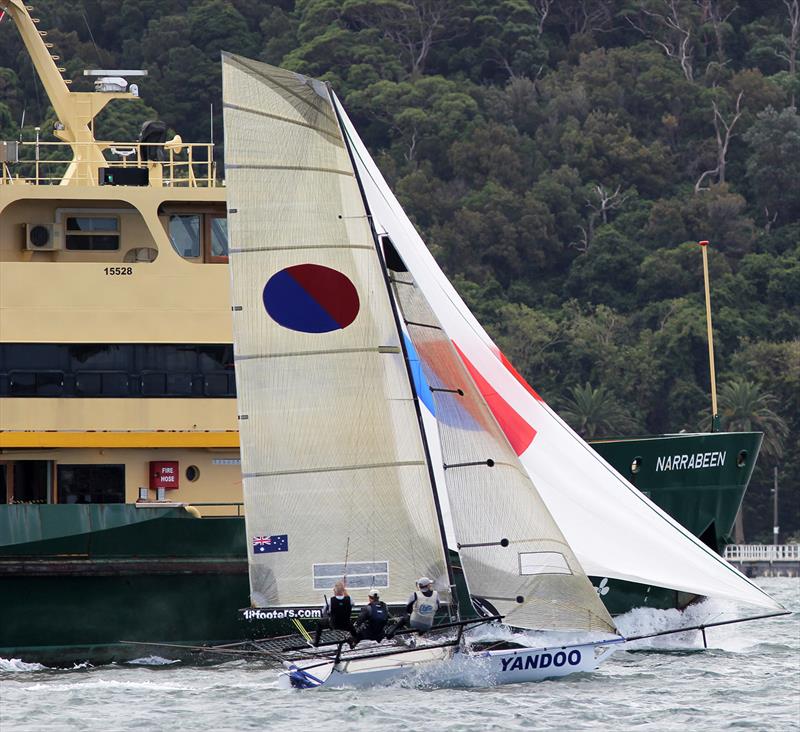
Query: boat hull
450, 666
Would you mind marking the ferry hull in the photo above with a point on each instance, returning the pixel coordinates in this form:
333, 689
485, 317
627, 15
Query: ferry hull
78, 579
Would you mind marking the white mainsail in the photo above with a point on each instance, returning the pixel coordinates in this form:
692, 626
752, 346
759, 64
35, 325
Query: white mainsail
514, 557
614, 530
334, 468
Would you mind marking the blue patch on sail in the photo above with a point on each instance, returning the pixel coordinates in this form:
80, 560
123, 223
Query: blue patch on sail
293, 307
421, 385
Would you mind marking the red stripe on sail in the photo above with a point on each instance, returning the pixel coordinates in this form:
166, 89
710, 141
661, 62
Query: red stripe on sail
517, 375
518, 432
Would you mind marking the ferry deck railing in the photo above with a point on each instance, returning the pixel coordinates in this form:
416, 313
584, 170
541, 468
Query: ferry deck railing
762, 552
44, 163
236, 510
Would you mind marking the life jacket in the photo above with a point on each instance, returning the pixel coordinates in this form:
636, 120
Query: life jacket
424, 610
378, 615
340, 610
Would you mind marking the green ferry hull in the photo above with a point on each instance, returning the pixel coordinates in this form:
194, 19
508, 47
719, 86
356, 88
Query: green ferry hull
677, 474
77, 580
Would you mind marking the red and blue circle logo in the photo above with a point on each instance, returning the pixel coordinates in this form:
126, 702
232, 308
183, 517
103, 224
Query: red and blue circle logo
311, 298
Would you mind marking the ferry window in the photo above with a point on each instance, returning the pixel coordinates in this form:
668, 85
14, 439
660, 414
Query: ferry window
216, 238
99, 356
101, 383
216, 385
91, 483
184, 233
92, 233
179, 384
214, 358
154, 385
30, 481
35, 383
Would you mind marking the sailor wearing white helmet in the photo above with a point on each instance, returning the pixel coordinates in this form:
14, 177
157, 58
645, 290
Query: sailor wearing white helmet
420, 609
423, 604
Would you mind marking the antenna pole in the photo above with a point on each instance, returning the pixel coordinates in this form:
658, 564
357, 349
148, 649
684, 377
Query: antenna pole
714, 412
775, 527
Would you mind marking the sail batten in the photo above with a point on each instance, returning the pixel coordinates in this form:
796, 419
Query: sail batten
328, 468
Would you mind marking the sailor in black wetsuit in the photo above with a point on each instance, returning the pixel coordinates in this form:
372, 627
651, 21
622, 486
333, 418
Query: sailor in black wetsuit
372, 619
337, 613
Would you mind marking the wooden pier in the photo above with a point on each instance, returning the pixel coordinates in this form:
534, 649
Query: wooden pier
765, 560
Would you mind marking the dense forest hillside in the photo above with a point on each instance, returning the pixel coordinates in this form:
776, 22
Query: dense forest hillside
561, 158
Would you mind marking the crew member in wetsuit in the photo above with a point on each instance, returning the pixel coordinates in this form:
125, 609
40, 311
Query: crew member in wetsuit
337, 613
372, 619
420, 609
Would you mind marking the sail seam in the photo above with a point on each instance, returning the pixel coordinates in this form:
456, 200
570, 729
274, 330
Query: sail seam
315, 247
424, 325
303, 168
329, 469
371, 349
281, 118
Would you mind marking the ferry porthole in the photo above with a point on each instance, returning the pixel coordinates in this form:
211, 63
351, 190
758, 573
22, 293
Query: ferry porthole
636, 465
741, 459
192, 473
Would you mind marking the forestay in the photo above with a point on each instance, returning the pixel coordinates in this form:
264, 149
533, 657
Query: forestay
614, 530
513, 555
334, 471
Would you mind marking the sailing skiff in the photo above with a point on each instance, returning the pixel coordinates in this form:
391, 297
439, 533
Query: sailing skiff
381, 429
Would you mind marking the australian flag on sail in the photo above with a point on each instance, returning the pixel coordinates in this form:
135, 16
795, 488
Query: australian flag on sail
266, 544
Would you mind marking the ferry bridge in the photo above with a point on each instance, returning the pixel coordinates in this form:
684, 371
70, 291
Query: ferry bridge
765, 560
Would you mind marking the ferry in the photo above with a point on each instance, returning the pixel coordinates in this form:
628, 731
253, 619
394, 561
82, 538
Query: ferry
121, 512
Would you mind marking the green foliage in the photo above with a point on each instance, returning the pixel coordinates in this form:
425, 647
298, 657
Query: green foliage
595, 412
549, 154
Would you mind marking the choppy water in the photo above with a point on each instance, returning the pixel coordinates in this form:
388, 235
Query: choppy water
749, 678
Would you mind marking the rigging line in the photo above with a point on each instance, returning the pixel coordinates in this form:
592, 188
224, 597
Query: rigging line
703, 626
346, 559
96, 49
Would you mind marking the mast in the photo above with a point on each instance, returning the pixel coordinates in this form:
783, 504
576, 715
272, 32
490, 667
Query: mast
714, 412
396, 314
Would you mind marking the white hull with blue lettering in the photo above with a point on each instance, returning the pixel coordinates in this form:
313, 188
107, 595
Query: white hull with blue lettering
450, 666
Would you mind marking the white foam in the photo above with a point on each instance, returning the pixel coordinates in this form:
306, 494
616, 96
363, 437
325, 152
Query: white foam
17, 665
152, 661
644, 620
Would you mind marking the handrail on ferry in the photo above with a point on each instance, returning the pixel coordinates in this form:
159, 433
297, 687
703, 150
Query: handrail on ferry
192, 506
191, 166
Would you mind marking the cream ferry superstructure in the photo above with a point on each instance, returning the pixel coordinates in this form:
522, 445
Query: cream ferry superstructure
107, 273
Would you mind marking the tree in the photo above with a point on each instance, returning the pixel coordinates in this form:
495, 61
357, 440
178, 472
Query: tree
413, 26
595, 412
773, 166
745, 407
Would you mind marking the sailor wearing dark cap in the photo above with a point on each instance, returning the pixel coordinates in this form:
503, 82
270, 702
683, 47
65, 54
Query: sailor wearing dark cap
372, 619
